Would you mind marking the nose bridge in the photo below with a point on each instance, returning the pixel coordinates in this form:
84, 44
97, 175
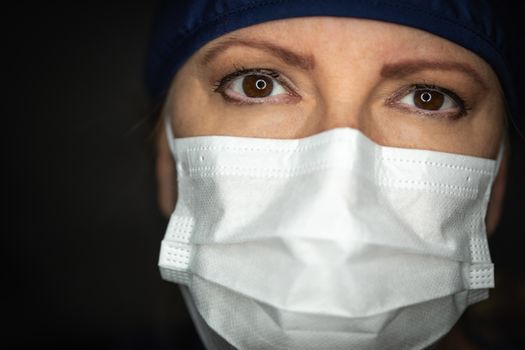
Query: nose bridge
344, 100
345, 80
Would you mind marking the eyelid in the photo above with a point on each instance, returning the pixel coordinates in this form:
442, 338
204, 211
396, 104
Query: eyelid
222, 84
461, 110
243, 72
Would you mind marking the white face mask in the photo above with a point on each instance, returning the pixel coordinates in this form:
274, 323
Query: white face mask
328, 242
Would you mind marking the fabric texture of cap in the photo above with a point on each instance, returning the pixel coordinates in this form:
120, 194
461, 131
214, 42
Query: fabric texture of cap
182, 27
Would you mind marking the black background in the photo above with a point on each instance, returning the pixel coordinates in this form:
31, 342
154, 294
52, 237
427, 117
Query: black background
83, 229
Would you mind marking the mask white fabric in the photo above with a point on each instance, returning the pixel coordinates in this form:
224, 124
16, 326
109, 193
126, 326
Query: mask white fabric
327, 242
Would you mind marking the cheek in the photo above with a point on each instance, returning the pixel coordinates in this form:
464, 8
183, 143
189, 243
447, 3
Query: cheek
188, 106
487, 131
477, 134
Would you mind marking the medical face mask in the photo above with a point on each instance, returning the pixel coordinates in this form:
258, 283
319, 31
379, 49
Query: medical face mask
327, 242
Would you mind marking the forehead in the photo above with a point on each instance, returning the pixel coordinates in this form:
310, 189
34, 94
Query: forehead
379, 40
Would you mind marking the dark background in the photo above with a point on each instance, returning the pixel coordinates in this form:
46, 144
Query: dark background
83, 229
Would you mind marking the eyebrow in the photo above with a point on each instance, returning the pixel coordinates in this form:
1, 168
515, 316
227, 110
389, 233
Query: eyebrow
305, 62
404, 68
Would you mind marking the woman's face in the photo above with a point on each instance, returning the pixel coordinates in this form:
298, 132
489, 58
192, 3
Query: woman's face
293, 78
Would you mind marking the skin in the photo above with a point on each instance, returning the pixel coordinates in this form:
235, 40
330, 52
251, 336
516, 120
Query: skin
343, 85
356, 78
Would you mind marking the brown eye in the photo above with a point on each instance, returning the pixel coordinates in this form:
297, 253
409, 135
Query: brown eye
432, 100
256, 85
429, 99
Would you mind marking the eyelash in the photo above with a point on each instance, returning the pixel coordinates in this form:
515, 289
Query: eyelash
239, 72
221, 84
462, 105
393, 101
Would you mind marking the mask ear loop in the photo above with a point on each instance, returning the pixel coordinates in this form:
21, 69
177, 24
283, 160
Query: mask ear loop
169, 133
501, 152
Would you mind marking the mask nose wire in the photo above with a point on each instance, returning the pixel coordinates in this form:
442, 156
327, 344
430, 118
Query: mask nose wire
171, 142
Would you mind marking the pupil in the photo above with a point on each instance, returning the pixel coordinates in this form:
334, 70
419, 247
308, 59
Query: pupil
426, 97
261, 84
257, 86
430, 100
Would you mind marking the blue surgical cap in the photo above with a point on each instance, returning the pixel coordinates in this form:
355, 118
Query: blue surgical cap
182, 27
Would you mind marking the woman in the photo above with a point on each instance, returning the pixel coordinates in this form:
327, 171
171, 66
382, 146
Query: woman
335, 162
